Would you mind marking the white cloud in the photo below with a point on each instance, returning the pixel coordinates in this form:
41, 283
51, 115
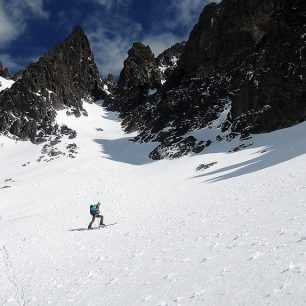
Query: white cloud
105, 3
184, 15
175, 22
111, 4
16, 63
9, 63
110, 42
160, 42
110, 29
187, 11
8, 31
112, 37
34, 6
15, 14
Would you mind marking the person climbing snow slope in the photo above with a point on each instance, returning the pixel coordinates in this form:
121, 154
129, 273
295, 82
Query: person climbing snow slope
95, 212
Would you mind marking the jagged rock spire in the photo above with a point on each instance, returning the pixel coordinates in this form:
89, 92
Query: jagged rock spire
61, 78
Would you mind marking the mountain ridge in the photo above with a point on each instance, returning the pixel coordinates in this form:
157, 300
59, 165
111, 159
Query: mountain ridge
242, 70
61, 78
242, 57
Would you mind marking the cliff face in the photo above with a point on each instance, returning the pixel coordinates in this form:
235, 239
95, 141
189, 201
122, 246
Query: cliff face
139, 75
224, 32
62, 78
260, 45
244, 59
142, 75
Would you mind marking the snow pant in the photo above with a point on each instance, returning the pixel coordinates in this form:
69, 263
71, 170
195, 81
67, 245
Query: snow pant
94, 218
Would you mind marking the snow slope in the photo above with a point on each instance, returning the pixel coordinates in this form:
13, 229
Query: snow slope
233, 234
5, 83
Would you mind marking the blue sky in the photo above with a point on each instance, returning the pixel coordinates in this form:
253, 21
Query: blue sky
29, 28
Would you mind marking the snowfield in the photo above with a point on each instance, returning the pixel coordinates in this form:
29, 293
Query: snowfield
5, 83
233, 234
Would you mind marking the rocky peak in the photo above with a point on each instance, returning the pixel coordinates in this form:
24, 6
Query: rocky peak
78, 32
140, 74
4, 72
61, 78
110, 78
68, 68
109, 84
139, 68
171, 55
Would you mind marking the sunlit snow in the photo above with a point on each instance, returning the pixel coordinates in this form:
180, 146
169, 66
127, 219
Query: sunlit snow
233, 234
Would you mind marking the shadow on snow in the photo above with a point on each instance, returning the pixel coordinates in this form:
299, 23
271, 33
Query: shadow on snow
113, 116
275, 148
125, 151
82, 229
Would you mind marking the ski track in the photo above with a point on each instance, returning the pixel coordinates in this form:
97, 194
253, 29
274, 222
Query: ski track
180, 237
11, 275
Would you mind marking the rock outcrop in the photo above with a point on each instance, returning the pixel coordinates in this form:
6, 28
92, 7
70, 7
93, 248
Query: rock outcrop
139, 75
4, 72
167, 61
260, 45
242, 68
62, 78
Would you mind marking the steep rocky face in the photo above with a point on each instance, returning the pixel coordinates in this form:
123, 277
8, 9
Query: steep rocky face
62, 78
139, 68
260, 46
4, 72
167, 61
244, 63
139, 75
224, 31
109, 83
171, 55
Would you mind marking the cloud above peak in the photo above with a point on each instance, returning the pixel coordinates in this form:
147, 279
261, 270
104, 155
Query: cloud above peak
14, 16
112, 4
111, 35
111, 40
111, 26
187, 11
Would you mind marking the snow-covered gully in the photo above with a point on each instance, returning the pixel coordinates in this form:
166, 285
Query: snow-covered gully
231, 234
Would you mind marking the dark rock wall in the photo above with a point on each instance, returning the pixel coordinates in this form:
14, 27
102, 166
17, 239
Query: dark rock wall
139, 74
61, 78
260, 45
248, 55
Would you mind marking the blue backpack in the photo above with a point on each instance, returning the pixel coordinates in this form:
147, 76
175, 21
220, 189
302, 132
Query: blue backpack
93, 209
